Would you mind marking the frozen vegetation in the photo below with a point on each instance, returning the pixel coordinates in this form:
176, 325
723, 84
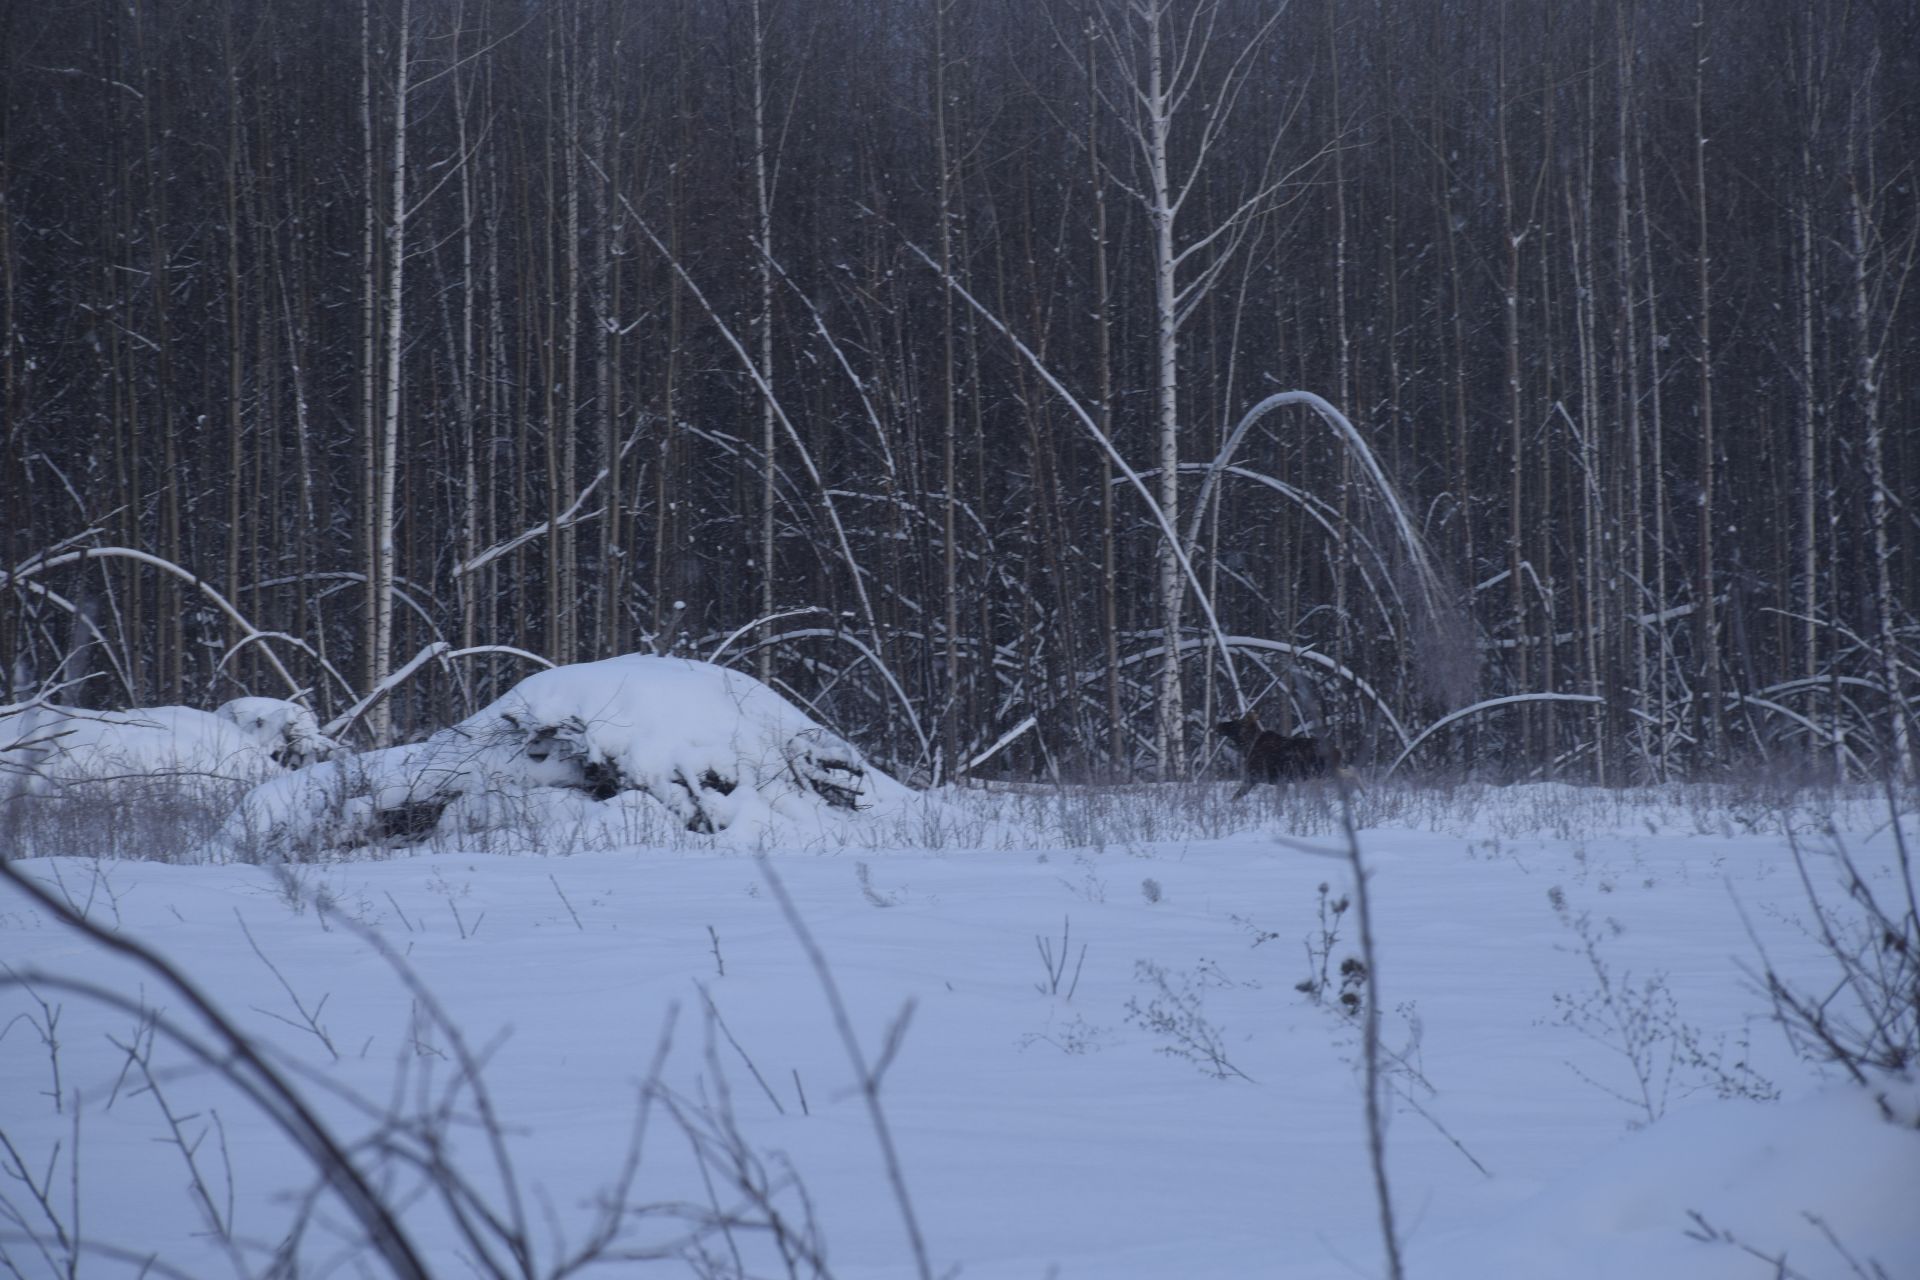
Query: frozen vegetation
672, 982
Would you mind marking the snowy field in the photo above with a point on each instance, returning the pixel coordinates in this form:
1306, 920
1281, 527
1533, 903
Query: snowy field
1582, 1058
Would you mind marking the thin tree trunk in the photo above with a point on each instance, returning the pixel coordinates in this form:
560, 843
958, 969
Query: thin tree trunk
1170, 718
1708, 631
1343, 339
1512, 236
373, 657
763, 241
1863, 235
1626, 344
379, 718
1808, 423
238, 537
949, 479
1118, 755
1657, 462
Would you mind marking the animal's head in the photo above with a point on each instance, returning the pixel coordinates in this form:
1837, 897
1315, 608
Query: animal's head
1242, 732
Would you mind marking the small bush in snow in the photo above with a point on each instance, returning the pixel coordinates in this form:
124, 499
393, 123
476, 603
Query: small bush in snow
1866, 1021
1639, 1021
1320, 944
1174, 1015
1055, 963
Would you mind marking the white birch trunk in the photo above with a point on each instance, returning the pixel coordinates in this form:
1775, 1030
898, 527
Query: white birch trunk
372, 663
950, 565
379, 720
1169, 722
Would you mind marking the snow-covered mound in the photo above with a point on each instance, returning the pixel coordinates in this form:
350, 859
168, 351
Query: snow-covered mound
287, 730
51, 748
614, 745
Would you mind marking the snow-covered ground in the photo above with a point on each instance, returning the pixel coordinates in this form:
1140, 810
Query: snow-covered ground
1159, 1100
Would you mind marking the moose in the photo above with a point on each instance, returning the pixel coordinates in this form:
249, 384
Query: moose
1279, 758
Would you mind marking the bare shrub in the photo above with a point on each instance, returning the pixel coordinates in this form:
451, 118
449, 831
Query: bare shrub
1056, 964
1639, 1021
1174, 1013
1319, 946
139, 819
1866, 1019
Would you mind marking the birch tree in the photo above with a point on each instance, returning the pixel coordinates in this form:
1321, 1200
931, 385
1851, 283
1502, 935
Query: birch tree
1173, 73
386, 312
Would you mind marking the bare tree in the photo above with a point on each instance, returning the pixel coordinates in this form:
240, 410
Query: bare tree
384, 325
1177, 75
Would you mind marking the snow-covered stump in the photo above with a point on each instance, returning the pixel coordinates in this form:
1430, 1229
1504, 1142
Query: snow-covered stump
602, 751
289, 731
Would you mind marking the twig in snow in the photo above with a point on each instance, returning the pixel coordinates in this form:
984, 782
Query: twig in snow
1820, 1224
569, 906
310, 1017
869, 1077
1370, 1039
1407, 1097
41, 1191
47, 1026
461, 925
713, 1012
398, 912
219, 1215
1057, 969
1706, 1233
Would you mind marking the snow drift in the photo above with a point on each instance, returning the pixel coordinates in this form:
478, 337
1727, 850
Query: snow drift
50, 748
612, 746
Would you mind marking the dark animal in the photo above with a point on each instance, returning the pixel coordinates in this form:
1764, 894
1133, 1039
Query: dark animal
412, 821
1278, 758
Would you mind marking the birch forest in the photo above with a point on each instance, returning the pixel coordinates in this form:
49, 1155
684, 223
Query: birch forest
1523, 386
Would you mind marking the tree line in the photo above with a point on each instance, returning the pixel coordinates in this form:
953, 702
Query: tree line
904, 353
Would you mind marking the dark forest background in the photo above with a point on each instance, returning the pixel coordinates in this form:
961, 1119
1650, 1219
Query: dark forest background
340, 338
